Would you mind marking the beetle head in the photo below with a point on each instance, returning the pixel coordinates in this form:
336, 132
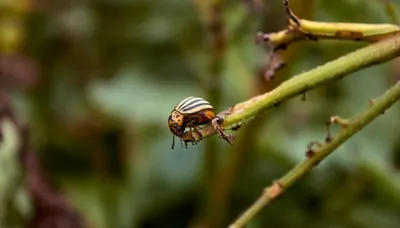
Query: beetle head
175, 123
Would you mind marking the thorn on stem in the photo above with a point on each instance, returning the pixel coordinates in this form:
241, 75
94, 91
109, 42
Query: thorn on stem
371, 102
275, 190
310, 151
342, 122
291, 15
237, 127
304, 97
295, 22
261, 37
276, 104
217, 122
275, 63
334, 119
328, 138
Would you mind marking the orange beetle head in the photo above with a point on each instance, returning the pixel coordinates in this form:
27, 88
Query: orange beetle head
175, 123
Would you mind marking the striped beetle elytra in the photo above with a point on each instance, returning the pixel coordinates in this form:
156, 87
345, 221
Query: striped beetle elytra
190, 112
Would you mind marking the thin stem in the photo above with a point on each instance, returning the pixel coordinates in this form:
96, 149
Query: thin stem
251, 212
355, 124
301, 29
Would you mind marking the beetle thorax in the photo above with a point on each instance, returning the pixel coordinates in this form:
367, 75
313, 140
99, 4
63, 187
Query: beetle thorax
177, 117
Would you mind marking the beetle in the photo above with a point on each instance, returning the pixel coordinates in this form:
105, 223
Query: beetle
190, 112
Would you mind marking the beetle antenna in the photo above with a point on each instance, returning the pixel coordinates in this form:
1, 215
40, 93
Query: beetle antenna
173, 141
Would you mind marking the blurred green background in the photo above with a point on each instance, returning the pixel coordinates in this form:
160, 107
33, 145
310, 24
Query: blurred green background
95, 81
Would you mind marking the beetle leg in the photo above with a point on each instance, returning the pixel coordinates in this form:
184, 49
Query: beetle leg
216, 122
198, 132
192, 125
173, 141
184, 142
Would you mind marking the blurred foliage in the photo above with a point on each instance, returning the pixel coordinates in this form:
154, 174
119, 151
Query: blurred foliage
95, 82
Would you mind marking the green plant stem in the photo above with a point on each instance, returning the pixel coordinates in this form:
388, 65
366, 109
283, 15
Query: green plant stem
334, 70
368, 56
301, 29
357, 123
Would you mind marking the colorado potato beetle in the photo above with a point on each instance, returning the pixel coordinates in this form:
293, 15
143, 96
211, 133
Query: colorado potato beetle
190, 112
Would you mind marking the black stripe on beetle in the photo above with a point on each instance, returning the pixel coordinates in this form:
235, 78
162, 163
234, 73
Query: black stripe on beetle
191, 101
205, 104
179, 106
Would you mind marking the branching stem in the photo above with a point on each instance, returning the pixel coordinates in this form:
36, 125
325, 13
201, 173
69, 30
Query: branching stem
354, 125
368, 56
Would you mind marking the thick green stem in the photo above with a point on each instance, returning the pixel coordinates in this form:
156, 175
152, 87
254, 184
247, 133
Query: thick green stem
357, 123
370, 55
334, 70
